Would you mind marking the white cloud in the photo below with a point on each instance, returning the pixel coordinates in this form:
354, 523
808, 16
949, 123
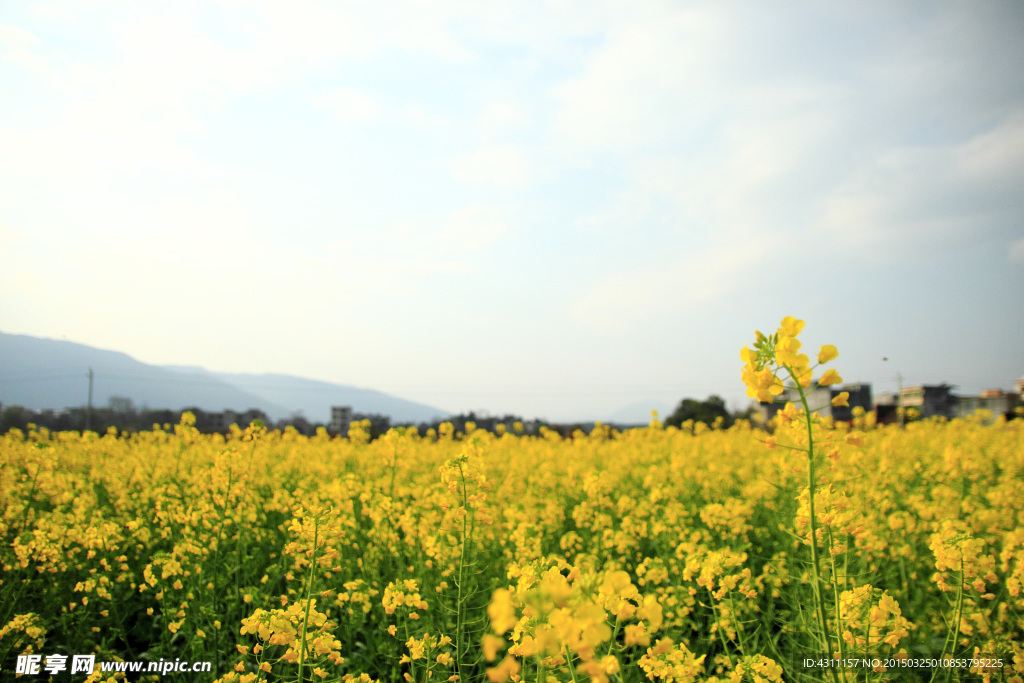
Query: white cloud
350, 106
917, 199
470, 230
421, 117
995, 158
648, 84
627, 298
401, 257
17, 45
314, 31
1016, 253
712, 121
500, 117
116, 115
697, 149
504, 166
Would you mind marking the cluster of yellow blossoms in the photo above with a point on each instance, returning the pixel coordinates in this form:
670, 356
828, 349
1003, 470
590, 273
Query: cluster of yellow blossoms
405, 594
871, 618
772, 354
561, 617
290, 628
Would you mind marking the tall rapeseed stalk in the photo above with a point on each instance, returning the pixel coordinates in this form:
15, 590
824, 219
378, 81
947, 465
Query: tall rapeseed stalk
774, 360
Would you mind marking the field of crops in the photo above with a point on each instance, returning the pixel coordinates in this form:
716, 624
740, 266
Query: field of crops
652, 554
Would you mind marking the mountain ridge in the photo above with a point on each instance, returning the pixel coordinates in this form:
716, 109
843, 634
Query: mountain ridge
41, 373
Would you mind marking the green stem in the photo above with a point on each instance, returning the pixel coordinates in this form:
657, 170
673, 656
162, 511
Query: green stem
721, 629
835, 593
412, 664
615, 634
568, 660
462, 565
394, 471
846, 562
739, 627
222, 517
959, 616
309, 591
28, 501
867, 639
818, 588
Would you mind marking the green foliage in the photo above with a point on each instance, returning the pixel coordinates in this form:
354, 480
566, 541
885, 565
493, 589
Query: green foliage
706, 411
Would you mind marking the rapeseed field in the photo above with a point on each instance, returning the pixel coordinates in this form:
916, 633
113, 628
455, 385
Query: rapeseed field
799, 550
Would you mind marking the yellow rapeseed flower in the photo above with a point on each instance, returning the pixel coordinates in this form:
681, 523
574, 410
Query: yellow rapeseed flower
490, 645
830, 377
827, 353
791, 326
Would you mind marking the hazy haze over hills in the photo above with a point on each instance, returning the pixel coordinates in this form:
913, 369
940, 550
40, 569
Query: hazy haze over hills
640, 412
313, 398
48, 373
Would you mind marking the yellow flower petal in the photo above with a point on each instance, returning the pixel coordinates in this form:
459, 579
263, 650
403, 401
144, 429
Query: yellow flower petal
791, 326
829, 378
747, 355
827, 353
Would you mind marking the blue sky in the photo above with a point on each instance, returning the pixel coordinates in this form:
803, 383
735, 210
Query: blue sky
548, 208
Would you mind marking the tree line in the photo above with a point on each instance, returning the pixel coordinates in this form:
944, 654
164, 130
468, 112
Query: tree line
121, 414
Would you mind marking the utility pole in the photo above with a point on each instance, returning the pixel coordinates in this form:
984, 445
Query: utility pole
899, 396
902, 411
88, 412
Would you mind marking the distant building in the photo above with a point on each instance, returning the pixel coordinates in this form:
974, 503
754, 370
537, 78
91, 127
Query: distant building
931, 400
341, 418
243, 420
222, 421
886, 398
819, 400
218, 422
860, 397
996, 401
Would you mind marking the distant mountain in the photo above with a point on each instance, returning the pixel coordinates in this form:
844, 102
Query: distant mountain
639, 413
314, 398
47, 373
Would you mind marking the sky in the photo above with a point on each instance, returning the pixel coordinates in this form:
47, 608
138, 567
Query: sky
552, 209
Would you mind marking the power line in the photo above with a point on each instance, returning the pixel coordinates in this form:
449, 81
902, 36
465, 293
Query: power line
318, 386
88, 414
581, 392
33, 378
